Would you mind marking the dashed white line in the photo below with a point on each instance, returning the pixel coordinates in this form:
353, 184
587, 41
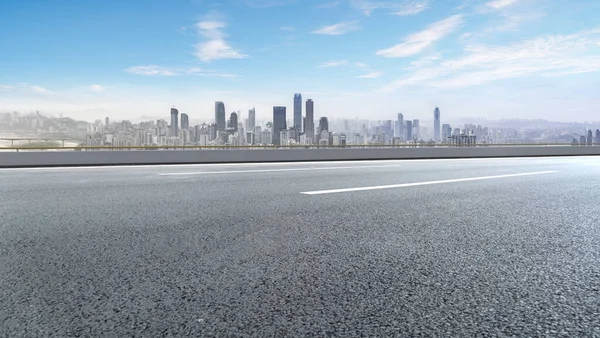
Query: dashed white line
273, 170
404, 185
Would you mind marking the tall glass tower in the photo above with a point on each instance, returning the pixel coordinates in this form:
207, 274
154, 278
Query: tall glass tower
436, 123
298, 113
174, 122
279, 124
185, 121
309, 124
220, 116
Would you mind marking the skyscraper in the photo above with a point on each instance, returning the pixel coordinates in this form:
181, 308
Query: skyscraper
590, 137
400, 126
174, 122
598, 136
436, 123
298, 113
416, 129
279, 124
409, 129
220, 115
185, 122
309, 124
251, 119
323, 124
233, 121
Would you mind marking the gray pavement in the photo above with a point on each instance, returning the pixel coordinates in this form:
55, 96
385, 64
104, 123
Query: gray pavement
239, 250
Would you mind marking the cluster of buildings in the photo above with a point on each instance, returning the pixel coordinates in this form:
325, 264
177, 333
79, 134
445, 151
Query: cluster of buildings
301, 127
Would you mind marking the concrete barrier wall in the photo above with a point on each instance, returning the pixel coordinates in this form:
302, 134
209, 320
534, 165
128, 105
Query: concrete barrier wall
136, 157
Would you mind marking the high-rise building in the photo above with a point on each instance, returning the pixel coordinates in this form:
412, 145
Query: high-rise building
233, 121
251, 119
409, 129
298, 113
446, 131
107, 122
309, 121
400, 126
416, 129
220, 116
279, 124
174, 122
598, 136
185, 121
436, 123
590, 138
323, 124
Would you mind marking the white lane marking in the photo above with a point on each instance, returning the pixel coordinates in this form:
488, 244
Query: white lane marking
274, 170
403, 185
405, 161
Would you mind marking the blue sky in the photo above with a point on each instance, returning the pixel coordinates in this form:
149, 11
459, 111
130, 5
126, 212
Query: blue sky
354, 58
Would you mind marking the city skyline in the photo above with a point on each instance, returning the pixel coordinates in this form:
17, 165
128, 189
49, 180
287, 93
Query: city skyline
357, 58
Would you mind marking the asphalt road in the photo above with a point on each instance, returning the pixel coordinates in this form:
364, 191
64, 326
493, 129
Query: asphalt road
489, 247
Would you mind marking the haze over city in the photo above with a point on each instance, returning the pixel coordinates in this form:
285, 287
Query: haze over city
355, 58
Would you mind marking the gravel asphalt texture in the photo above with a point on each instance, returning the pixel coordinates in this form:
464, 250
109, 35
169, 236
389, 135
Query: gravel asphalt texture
128, 252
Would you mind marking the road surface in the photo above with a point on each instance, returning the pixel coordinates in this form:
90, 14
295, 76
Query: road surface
493, 247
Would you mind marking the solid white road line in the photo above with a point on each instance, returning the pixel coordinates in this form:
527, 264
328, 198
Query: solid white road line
260, 164
274, 170
378, 187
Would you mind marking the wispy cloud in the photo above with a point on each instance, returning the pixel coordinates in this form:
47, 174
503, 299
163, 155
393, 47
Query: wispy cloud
150, 70
215, 46
333, 63
499, 4
154, 70
39, 89
417, 42
412, 8
286, 28
406, 7
97, 88
371, 75
513, 21
25, 87
550, 56
425, 61
338, 29
330, 4
267, 3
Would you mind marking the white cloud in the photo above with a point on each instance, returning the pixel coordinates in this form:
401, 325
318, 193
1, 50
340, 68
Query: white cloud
412, 8
361, 65
371, 75
338, 29
549, 56
406, 7
267, 3
25, 87
426, 60
498, 4
215, 47
286, 28
97, 88
39, 89
417, 42
150, 70
154, 70
333, 63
